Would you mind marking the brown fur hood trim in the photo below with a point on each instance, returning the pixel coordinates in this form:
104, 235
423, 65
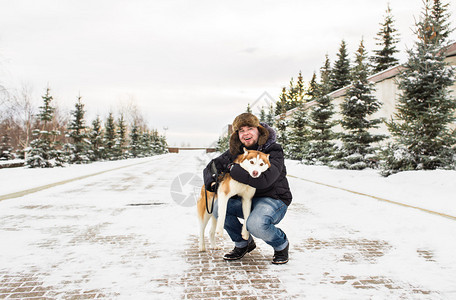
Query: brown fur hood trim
246, 119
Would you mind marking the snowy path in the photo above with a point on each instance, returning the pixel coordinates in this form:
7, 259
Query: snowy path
120, 235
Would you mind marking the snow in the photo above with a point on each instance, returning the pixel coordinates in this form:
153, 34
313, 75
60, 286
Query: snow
88, 234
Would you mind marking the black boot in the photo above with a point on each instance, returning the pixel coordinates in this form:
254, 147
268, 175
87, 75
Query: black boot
281, 257
238, 253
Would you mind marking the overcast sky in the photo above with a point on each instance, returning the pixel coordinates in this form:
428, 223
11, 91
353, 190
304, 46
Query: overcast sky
190, 66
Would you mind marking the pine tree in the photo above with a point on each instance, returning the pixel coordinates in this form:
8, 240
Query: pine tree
135, 146
110, 137
298, 140
43, 152
425, 109
325, 77
5, 143
96, 151
121, 138
313, 88
270, 116
300, 92
248, 109
359, 104
321, 149
440, 21
281, 105
262, 115
77, 132
292, 95
340, 76
223, 143
280, 121
387, 39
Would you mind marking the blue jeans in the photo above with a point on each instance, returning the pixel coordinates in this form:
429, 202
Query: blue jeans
266, 213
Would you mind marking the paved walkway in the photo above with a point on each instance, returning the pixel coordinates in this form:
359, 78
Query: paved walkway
111, 236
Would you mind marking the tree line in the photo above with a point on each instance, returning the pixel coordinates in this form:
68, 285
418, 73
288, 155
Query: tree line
47, 139
420, 133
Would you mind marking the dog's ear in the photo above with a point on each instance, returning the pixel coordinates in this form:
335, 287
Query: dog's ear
245, 151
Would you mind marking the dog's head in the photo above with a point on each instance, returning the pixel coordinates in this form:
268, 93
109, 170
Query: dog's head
254, 162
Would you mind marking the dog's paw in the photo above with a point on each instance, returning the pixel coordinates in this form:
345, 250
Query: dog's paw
219, 232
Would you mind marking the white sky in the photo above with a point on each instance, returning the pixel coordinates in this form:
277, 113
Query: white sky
190, 66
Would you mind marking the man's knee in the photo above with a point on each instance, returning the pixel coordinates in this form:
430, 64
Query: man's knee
257, 224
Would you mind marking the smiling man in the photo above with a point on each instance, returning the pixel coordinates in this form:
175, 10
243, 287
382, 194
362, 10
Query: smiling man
272, 196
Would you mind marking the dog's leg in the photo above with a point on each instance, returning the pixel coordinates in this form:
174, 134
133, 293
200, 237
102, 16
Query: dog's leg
222, 203
203, 224
212, 233
246, 208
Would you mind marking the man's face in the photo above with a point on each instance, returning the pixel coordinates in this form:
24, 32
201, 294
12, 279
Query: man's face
248, 135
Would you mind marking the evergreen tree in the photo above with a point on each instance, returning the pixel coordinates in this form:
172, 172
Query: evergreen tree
270, 116
387, 39
359, 104
262, 115
300, 92
43, 152
425, 109
440, 21
281, 105
77, 132
249, 109
96, 151
121, 138
223, 143
321, 149
5, 143
110, 137
135, 145
292, 96
298, 140
313, 88
325, 78
340, 75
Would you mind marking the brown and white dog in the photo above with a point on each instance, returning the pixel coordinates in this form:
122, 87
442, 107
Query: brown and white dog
254, 162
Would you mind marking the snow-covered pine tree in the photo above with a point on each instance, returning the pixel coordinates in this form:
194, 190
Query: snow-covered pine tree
292, 95
223, 143
298, 139
78, 149
282, 105
312, 91
110, 137
262, 116
145, 143
340, 75
96, 149
321, 149
356, 109
440, 20
425, 108
300, 92
134, 145
270, 116
43, 152
248, 109
280, 122
121, 138
387, 38
5, 143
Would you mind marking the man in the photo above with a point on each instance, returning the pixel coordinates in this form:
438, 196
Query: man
272, 196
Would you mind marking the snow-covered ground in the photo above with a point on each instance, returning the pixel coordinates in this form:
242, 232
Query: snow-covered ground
122, 232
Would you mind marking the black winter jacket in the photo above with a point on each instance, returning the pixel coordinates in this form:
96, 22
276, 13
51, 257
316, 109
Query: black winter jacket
271, 183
